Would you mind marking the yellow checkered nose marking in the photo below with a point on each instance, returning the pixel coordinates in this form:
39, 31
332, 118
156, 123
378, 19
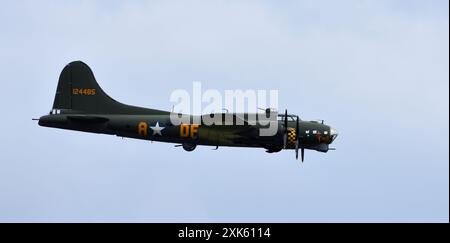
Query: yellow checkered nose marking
291, 137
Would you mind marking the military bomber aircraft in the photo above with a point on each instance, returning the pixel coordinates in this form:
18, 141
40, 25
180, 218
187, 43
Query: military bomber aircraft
80, 104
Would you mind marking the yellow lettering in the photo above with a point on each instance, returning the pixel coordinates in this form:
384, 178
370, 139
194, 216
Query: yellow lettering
194, 130
184, 130
76, 91
188, 130
142, 129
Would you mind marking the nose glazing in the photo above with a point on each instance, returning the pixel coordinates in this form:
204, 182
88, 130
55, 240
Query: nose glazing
333, 133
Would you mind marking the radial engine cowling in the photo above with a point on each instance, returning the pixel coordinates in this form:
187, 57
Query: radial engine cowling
189, 146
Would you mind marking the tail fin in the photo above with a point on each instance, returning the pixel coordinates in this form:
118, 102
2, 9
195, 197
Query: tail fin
79, 91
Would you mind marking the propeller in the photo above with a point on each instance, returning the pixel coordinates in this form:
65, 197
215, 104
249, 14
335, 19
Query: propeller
297, 138
297, 130
285, 129
297, 142
303, 154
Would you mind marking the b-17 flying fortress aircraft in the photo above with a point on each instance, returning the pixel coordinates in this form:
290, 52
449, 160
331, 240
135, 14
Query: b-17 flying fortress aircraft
80, 104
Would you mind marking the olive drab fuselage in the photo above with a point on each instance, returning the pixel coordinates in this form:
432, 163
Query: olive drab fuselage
80, 104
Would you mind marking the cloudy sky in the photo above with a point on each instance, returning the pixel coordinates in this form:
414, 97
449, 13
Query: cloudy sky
376, 70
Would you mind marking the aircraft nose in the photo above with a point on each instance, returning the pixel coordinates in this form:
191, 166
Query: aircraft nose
333, 133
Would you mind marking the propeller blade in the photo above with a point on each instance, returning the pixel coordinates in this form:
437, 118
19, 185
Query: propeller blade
285, 120
296, 139
303, 154
285, 129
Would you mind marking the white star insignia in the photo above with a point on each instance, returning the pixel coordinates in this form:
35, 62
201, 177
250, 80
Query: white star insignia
157, 129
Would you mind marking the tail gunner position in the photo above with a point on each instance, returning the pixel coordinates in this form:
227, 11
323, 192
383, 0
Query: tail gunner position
80, 104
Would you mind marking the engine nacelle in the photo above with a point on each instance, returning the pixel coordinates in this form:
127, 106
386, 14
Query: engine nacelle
189, 146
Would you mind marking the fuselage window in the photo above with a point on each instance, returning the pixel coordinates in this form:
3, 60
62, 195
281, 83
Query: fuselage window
55, 112
290, 118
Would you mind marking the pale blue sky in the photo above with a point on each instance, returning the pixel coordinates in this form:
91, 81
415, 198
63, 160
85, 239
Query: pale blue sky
376, 70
